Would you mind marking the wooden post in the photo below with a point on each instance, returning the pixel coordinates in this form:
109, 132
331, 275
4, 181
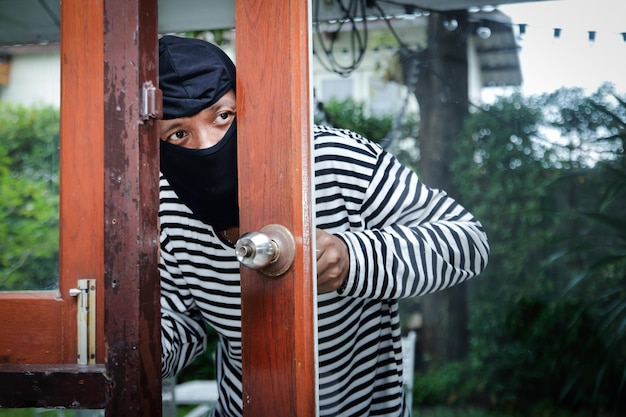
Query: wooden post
274, 124
131, 160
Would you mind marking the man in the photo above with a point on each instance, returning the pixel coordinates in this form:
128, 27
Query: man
381, 235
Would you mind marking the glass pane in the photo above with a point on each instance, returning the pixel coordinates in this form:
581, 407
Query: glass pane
538, 158
29, 146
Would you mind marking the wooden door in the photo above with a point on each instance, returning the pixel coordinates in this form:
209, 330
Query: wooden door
274, 147
108, 222
108, 225
40, 327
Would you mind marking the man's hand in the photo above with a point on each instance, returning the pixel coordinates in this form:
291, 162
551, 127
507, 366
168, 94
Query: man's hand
333, 262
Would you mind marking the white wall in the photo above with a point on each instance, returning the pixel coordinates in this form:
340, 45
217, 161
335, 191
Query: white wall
366, 84
34, 79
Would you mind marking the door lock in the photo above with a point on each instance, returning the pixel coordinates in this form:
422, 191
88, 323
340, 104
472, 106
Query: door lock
271, 250
85, 294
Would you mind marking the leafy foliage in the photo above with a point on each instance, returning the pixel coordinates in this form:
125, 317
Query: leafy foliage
397, 136
548, 316
29, 208
351, 115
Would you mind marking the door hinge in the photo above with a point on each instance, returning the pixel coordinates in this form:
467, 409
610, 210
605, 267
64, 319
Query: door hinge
151, 102
85, 294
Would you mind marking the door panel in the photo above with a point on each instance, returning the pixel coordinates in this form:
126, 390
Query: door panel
81, 223
131, 160
108, 217
50, 317
108, 226
278, 314
32, 330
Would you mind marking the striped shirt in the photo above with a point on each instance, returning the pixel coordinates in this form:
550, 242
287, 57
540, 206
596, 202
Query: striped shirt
404, 239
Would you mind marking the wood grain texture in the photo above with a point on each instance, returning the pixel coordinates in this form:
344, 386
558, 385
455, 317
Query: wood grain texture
82, 151
131, 174
32, 328
45, 386
273, 120
108, 224
42, 325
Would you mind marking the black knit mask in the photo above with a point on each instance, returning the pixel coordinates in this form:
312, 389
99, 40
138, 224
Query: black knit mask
206, 179
193, 75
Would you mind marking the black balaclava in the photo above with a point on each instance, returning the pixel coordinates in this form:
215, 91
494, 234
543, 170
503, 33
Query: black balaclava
193, 75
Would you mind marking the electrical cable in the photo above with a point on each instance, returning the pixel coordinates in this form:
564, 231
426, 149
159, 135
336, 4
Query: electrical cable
385, 17
355, 11
354, 15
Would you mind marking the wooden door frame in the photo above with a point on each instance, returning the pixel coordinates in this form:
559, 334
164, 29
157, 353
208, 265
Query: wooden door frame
275, 186
109, 198
131, 188
111, 50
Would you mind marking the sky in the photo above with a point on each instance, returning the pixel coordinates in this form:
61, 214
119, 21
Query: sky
571, 60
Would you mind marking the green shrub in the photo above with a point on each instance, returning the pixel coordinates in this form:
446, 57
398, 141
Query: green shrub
443, 385
29, 207
547, 317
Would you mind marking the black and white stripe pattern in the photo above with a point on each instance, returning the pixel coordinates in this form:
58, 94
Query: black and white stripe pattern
404, 238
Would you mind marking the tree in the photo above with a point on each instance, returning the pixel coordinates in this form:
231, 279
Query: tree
442, 94
547, 316
597, 244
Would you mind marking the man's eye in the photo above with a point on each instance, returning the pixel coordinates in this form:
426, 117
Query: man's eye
224, 115
178, 135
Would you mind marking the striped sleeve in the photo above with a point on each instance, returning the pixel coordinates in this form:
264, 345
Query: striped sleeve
404, 238
183, 335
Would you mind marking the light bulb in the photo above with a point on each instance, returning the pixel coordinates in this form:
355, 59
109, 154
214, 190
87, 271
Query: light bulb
450, 24
483, 32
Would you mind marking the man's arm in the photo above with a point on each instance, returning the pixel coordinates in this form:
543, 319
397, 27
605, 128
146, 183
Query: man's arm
183, 333
404, 239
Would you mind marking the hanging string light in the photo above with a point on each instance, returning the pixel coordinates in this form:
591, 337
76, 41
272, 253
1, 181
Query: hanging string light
354, 22
557, 32
483, 32
450, 24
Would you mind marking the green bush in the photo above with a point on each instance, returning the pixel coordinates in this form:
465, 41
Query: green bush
351, 115
547, 317
29, 207
204, 366
547, 330
444, 385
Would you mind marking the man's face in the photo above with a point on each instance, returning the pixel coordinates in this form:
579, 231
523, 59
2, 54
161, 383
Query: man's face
204, 129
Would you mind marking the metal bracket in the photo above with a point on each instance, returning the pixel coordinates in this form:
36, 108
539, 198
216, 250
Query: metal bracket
86, 320
151, 102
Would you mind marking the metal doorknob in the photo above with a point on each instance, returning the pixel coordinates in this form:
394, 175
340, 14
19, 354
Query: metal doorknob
271, 250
